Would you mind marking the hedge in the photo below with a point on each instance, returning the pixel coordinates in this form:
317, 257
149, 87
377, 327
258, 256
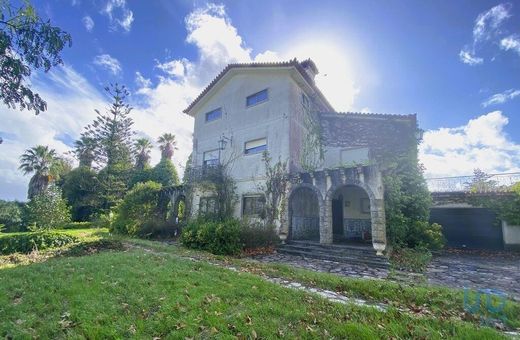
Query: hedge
27, 242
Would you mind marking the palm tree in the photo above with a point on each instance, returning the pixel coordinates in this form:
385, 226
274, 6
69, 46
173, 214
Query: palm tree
143, 146
167, 144
38, 160
84, 149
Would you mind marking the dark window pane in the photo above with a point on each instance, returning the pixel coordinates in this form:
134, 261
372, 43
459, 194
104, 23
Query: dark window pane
213, 115
256, 98
256, 149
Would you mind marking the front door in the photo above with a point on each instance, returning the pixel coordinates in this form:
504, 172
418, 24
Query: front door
337, 218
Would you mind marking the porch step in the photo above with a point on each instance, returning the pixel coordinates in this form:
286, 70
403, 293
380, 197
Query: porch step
350, 254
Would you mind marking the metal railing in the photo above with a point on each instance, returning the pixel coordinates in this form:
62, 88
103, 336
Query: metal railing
490, 183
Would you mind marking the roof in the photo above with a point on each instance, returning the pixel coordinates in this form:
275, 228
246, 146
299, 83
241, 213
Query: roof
300, 67
410, 117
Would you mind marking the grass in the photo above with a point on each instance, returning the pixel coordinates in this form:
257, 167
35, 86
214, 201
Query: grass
153, 290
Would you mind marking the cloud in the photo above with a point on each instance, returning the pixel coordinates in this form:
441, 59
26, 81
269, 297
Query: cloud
500, 98
481, 143
108, 62
511, 42
467, 58
71, 101
88, 23
487, 27
118, 14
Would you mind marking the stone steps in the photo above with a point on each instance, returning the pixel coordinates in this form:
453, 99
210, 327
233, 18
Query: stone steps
350, 254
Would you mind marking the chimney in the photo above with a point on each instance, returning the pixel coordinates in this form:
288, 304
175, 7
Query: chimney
310, 67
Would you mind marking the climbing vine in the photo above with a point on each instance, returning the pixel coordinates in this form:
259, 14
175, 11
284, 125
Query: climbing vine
312, 152
274, 188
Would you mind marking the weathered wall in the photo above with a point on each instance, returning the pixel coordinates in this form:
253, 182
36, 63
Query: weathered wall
511, 235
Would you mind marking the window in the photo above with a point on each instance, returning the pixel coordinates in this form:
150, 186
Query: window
354, 156
255, 146
253, 206
256, 98
214, 115
207, 205
210, 158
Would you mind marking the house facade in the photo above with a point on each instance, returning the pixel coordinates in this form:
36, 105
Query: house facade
336, 191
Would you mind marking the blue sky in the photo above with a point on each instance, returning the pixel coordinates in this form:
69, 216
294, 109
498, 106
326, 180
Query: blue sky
454, 63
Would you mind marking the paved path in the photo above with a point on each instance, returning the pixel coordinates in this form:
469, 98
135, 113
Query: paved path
497, 270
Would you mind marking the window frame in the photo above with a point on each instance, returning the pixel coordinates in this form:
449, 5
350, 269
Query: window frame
256, 152
212, 111
207, 199
256, 214
266, 90
215, 159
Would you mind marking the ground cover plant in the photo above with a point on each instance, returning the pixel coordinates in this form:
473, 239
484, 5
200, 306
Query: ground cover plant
148, 291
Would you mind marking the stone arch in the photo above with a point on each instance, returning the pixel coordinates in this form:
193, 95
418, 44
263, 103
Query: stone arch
305, 211
377, 215
175, 209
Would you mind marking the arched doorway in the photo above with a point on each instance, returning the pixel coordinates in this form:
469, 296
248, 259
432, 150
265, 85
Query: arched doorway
351, 218
176, 212
304, 214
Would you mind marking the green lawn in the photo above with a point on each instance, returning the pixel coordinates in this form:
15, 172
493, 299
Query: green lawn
153, 290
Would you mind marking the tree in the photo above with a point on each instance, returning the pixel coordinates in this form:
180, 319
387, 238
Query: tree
165, 173
38, 160
11, 215
481, 182
167, 144
275, 188
26, 42
81, 189
84, 150
47, 210
143, 146
112, 132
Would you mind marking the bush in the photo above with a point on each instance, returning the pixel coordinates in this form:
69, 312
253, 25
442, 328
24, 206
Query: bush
411, 259
77, 225
141, 205
257, 235
47, 210
81, 189
11, 216
27, 242
158, 229
221, 238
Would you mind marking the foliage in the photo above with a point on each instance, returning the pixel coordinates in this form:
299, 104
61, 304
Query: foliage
141, 176
142, 146
258, 235
84, 150
27, 242
81, 189
113, 183
167, 144
218, 237
142, 205
11, 215
411, 259
26, 42
408, 202
275, 188
504, 203
165, 173
112, 132
312, 151
47, 210
77, 225
38, 160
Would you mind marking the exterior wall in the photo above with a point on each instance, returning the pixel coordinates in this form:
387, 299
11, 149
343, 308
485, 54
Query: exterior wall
511, 235
239, 123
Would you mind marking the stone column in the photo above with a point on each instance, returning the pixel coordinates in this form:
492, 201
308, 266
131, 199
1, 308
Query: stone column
377, 213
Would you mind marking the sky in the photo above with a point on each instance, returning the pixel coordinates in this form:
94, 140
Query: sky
456, 64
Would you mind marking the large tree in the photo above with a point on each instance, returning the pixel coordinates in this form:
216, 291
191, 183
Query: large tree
111, 132
84, 150
167, 144
143, 146
39, 161
27, 42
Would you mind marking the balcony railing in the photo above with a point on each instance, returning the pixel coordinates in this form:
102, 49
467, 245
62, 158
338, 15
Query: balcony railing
204, 173
491, 183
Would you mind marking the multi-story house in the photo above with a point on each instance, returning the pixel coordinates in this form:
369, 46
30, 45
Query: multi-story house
336, 192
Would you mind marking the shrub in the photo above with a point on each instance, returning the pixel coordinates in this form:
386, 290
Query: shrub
222, 238
141, 205
77, 225
47, 210
411, 259
11, 215
158, 228
27, 242
257, 235
81, 189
